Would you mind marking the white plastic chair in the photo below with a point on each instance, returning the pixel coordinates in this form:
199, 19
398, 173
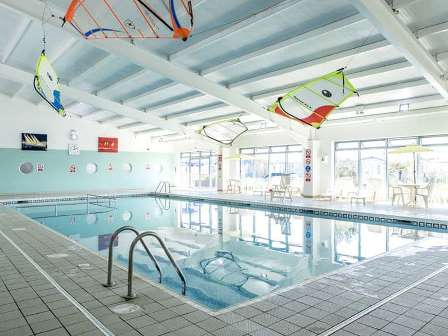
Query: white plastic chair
425, 193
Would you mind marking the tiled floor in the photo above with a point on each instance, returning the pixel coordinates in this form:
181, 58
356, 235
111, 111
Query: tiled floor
340, 304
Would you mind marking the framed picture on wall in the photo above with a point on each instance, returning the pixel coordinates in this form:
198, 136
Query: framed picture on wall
107, 145
34, 142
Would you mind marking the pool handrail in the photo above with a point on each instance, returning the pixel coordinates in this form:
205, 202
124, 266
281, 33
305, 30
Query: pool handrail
114, 236
131, 294
164, 187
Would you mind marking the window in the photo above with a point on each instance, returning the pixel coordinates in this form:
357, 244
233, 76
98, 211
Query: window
370, 166
267, 164
197, 170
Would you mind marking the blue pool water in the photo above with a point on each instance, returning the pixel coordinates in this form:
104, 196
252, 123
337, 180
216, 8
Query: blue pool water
228, 255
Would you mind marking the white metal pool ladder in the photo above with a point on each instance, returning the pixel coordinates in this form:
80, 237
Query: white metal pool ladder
140, 236
109, 282
131, 294
163, 187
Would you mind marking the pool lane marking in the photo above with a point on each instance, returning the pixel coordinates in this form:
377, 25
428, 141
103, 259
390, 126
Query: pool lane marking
380, 303
101, 327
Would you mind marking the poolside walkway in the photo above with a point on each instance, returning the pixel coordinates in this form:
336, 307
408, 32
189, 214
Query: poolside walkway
52, 286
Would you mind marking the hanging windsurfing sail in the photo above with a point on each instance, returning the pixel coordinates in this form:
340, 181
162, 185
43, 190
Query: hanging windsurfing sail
224, 132
46, 84
312, 102
131, 19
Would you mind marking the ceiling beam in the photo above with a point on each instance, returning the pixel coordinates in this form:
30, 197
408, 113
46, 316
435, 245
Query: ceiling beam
91, 71
121, 82
384, 19
235, 27
24, 77
145, 95
431, 30
110, 118
213, 119
163, 66
196, 110
423, 112
346, 22
130, 125
390, 103
301, 38
149, 131
20, 31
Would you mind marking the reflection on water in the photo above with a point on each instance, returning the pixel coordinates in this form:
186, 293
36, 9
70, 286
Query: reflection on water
228, 255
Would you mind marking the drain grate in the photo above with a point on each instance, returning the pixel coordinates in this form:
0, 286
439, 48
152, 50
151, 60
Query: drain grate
125, 308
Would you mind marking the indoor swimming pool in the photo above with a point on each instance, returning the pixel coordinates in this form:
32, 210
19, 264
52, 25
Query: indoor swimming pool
228, 255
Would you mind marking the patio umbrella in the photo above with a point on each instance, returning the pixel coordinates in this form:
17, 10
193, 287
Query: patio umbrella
412, 149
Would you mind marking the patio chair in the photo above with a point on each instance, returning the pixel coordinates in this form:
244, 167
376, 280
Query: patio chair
282, 190
425, 193
398, 192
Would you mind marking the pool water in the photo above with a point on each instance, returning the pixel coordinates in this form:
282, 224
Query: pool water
228, 255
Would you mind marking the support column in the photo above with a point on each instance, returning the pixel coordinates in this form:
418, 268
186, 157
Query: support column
311, 169
219, 177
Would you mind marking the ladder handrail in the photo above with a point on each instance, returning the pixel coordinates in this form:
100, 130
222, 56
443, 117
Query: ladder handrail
114, 236
164, 186
140, 237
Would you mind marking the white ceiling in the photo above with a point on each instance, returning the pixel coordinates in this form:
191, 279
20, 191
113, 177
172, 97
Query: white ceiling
254, 51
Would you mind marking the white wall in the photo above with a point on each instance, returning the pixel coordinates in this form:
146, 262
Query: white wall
17, 116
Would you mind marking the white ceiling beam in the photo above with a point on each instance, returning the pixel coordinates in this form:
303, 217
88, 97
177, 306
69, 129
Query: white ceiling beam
24, 77
266, 50
68, 45
393, 87
198, 110
351, 74
149, 131
423, 112
390, 103
145, 95
384, 19
300, 66
297, 39
130, 125
338, 56
91, 71
163, 66
20, 31
213, 119
93, 114
235, 27
123, 81
164, 105
432, 30
312, 34
111, 118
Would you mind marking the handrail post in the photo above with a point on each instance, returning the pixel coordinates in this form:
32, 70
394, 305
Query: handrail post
109, 282
130, 293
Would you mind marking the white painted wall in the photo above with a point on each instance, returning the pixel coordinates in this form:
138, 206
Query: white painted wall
17, 116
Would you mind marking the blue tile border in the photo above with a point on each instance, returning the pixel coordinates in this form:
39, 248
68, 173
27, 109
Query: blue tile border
343, 215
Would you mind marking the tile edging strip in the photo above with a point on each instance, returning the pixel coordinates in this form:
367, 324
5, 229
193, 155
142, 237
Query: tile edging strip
381, 303
101, 327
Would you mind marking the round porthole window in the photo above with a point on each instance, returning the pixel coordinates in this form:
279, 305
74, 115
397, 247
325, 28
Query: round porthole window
26, 168
91, 168
126, 216
158, 168
127, 168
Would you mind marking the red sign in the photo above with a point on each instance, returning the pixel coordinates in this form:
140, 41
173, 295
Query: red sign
109, 145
